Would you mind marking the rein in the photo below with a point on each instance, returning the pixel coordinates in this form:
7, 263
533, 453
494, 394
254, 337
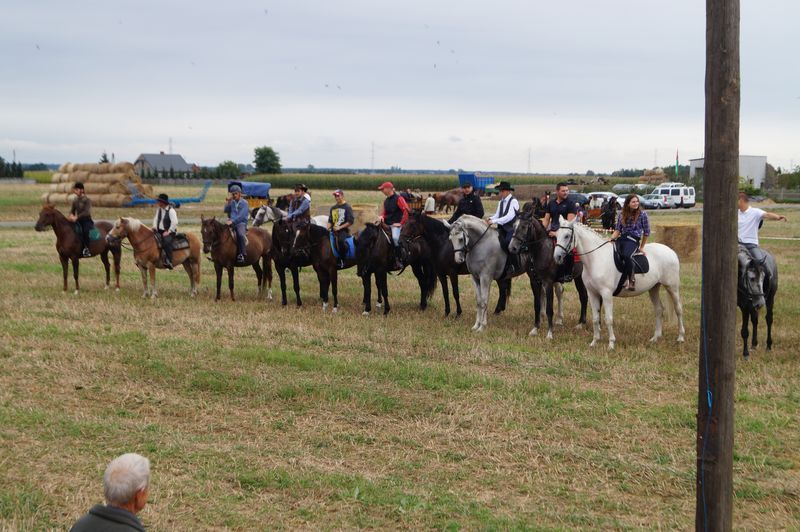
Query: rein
467, 247
572, 242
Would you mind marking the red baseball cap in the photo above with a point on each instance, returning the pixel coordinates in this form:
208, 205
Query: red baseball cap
387, 184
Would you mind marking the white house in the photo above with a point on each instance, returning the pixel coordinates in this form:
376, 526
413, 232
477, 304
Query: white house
751, 167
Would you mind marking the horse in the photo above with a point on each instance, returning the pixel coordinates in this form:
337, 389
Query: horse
531, 237
147, 253
608, 214
320, 257
478, 245
757, 288
602, 278
69, 246
374, 256
448, 199
271, 213
218, 240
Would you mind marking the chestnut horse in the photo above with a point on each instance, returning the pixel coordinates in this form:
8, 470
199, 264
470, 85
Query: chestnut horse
218, 240
447, 200
147, 253
69, 247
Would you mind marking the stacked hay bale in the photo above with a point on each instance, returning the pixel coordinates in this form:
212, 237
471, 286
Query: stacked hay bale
684, 239
106, 184
656, 176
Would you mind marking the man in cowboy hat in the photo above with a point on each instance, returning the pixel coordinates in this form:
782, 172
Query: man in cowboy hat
81, 214
238, 212
470, 203
300, 207
504, 217
165, 224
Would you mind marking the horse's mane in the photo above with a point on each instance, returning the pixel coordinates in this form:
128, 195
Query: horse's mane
585, 229
134, 223
434, 226
317, 231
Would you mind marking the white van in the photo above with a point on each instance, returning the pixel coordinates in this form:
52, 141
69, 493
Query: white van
676, 194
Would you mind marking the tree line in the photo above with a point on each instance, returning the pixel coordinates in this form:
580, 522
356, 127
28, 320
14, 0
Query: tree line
11, 169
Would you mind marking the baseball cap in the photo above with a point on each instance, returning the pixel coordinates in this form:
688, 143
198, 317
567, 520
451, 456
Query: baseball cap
386, 184
338, 192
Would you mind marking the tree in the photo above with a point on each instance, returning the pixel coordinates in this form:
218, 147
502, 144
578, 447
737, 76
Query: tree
267, 161
2, 167
104, 158
228, 170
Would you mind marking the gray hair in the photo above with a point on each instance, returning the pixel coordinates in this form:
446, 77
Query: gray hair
124, 476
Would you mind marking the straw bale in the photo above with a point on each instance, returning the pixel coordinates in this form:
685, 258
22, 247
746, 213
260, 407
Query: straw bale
122, 168
104, 168
145, 190
60, 198
107, 178
363, 213
684, 239
79, 175
44, 198
63, 167
110, 200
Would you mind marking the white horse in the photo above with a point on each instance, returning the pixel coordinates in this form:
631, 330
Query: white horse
268, 213
478, 245
601, 277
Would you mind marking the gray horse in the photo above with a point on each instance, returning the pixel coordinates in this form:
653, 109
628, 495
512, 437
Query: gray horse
478, 244
758, 284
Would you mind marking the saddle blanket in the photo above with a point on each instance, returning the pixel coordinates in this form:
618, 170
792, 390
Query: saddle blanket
351, 247
94, 232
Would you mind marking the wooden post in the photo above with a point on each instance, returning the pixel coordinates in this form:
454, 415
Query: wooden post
717, 368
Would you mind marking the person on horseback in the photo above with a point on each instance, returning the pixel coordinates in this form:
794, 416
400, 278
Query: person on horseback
300, 206
340, 218
504, 217
81, 214
749, 222
395, 214
557, 207
165, 224
633, 228
470, 203
238, 212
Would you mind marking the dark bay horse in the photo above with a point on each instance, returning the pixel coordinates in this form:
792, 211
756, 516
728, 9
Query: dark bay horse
530, 238
426, 237
218, 241
69, 247
758, 285
448, 200
375, 256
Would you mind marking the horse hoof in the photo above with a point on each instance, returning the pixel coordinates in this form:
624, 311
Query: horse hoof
269, 294
680, 339
335, 310
75, 293
655, 338
594, 343
106, 287
365, 313
610, 346
324, 307
549, 335
558, 321
378, 305
116, 289
534, 331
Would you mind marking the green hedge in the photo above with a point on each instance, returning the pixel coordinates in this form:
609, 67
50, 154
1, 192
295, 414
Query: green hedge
40, 176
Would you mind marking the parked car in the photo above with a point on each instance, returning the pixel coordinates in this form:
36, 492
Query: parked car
654, 201
621, 200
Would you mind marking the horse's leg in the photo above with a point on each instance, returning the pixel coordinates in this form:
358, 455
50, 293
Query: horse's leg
117, 254
674, 293
537, 288
549, 290
107, 267
189, 268
745, 323
768, 318
501, 301
334, 277
420, 276
445, 293
384, 289
76, 264
64, 269
477, 285
230, 281
655, 298
259, 278
282, 278
324, 285
608, 303
154, 288
456, 295
485, 287
754, 322
379, 302
267, 267
218, 271
558, 290
584, 298
296, 286
596, 302
143, 272
196, 276
366, 283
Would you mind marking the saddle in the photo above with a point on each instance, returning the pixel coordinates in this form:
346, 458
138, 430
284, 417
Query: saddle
179, 241
351, 247
94, 232
640, 265
232, 230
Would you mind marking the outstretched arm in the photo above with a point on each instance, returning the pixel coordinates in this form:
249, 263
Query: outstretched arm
773, 216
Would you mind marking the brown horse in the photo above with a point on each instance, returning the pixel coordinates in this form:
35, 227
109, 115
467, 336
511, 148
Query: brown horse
447, 200
147, 253
218, 241
69, 247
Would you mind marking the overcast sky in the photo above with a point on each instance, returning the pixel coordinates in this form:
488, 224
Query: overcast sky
579, 84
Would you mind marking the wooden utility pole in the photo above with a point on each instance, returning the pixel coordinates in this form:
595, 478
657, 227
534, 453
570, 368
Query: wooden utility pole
714, 510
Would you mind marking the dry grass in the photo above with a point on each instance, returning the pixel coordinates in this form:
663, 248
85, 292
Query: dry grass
258, 416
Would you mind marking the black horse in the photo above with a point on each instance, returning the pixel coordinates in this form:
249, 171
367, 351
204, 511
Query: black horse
282, 232
375, 256
758, 284
608, 213
530, 238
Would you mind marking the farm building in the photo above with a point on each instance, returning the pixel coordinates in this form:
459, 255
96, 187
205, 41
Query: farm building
161, 163
751, 167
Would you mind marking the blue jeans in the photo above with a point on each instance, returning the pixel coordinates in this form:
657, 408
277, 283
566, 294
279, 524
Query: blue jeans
627, 246
241, 231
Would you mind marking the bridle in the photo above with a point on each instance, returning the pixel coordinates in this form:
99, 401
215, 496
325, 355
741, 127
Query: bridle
525, 244
467, 247
744, 282
571, 243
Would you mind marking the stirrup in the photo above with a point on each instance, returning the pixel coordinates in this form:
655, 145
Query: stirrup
631, 284
240, 258
86, 252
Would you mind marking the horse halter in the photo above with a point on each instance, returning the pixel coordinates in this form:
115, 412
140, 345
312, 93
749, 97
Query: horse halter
571, 240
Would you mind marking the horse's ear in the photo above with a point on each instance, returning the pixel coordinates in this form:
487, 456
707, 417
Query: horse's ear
562, 220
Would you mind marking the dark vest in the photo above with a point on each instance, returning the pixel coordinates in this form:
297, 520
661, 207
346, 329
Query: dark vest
296, 205
167, 220
393, 213
503, 211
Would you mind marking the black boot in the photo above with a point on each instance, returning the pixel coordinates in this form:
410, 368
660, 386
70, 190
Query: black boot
631, 283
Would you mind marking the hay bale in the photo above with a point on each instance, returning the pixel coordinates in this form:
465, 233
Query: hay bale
122, 168
363, 213
684, 239
110, 200
44, 198
104, 168
60, 198
107, 178
78, 175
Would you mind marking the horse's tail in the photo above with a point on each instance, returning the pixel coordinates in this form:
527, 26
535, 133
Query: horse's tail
430, 280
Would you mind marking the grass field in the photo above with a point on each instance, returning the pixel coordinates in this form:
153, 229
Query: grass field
256, 416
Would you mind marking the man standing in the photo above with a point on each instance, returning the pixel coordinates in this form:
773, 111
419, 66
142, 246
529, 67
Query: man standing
749, 222
126, 484
470, 203
238, 212
395, 214
430, 205
340, 218
560, 206
165, 223
81, 213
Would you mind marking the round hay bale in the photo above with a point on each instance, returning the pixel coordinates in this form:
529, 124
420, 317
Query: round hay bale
684, 239
122, 168
104, 168
97, 188
110, 200
363, 213
60, 198
107, 178
44, 198
79, 175
62, 167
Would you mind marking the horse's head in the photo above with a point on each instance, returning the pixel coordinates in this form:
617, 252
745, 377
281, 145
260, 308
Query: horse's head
527, 230
284, 233
751, 279
565, 239
122, 228
210, 229
260, 216
459, 239
410, 238
46, 217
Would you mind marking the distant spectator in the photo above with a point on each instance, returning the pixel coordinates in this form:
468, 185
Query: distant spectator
430, 204
126, 485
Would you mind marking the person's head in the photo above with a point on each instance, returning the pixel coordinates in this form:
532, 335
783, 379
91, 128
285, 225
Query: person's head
562, 191
504, 189
387, 188
298, 191
236, 192
744, 201
79, 189
631, 207
163, 200
466, 188
338, 194
126, 481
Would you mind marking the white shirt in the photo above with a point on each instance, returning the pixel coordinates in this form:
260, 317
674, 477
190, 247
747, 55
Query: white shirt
748, 225
430, 204
173, 218
512, 211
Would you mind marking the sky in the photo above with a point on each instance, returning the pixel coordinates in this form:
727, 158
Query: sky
540, 86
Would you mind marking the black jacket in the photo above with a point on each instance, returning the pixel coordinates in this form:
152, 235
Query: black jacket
103, 518
469, 204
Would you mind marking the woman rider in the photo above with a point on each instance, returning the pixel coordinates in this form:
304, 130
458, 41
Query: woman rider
631, 234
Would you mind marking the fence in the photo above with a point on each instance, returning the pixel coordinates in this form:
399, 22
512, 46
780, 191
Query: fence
782, 195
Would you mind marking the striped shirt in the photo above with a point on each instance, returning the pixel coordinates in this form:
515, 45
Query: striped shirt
637, 229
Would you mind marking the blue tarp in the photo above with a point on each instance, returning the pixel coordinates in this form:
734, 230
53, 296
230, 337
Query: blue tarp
252, 189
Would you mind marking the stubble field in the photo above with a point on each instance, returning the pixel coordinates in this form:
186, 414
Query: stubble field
256, 416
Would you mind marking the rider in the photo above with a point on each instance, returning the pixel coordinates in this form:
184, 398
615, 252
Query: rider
238, 212
749, 222
300, 206
395, 214
81, 214
165, 222
560, 206
340, 219
504, 217
470, 203
631, 234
